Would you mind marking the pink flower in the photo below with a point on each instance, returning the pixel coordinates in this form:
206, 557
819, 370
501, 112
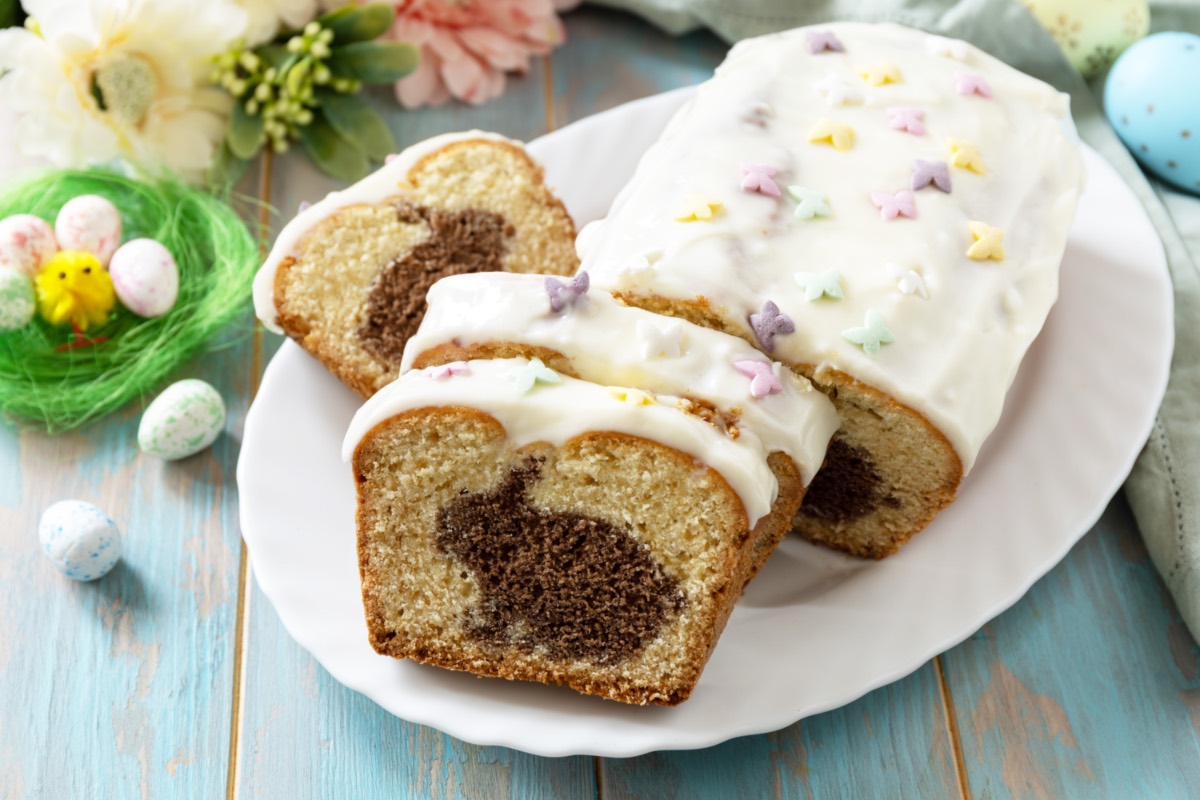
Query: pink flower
467, 46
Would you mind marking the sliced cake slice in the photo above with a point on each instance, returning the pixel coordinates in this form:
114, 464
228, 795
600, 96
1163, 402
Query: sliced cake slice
347, 277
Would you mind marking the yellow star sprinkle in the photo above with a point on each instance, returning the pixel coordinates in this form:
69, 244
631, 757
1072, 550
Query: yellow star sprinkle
833, 133
965, 155
879, 74
698, 208
633, 396
987, 242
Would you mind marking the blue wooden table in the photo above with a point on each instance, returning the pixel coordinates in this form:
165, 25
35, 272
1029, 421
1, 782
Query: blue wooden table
173, 677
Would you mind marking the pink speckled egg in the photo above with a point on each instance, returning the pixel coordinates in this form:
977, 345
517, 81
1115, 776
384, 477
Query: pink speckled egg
145, 277
89, 223
26, 242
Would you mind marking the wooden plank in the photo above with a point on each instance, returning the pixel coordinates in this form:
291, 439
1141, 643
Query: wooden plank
122, 687
302, 734
1087, 688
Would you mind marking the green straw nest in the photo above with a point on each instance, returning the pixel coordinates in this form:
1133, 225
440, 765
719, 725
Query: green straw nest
217, 258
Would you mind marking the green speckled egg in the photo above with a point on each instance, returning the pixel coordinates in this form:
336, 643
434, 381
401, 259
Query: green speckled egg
17, 301
186, 418
1092, 33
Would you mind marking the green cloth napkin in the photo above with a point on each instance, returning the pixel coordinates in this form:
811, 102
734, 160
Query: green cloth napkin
1164, 487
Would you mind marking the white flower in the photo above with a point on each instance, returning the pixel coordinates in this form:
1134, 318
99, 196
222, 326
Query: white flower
119, 79
266, 18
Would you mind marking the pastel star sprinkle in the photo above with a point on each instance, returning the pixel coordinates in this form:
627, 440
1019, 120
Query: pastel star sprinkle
635, 397
303, 206
826, 131
837, 92
871, 334
907, 119
949, 48
760, 178
891, 206
930, 173
698, 208
969, 83
965, 155
810, 202
879, 74
986, 242
658, 341
563, 293
820, 284
443, 371
822, 41
762, 377
909, 281
768, 322
532, 374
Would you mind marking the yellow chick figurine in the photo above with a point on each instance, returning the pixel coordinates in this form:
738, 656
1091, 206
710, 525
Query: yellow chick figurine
72, 287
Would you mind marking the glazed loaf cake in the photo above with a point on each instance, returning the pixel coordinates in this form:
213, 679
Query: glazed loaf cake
518, 523
347, 277
884, 212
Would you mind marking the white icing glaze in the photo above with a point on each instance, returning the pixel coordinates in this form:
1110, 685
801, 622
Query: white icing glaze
611, 343
387, 181
962, 326
558, 412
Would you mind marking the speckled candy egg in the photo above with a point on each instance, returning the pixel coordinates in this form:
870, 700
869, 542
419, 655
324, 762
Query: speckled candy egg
186, 418
145, 276
1092, 34
79, 539
90, 223
1151, 99
17, 300
26, 242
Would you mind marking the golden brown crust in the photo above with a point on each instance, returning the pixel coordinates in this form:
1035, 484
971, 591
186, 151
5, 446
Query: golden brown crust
742, 553
452, 351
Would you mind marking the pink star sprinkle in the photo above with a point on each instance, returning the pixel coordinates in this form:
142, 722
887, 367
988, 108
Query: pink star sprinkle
900, 204
758, 178
444, 371
820, 41
390, 157
762, 377
967, 83
907, 119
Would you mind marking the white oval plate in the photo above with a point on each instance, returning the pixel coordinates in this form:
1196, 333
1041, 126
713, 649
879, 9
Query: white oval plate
816, 629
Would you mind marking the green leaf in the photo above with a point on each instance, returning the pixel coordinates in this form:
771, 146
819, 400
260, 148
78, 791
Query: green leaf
333, 154
245, 136
275, 55
358, 123
358, 23
374, 62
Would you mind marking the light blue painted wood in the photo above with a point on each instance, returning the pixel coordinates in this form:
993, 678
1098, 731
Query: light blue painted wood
122, 688
1087, 688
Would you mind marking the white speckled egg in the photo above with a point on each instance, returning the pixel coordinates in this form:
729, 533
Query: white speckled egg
186, 418
1151, 100
17, 300
1092, 34
91, 223
79, 539
26, 242
145, 277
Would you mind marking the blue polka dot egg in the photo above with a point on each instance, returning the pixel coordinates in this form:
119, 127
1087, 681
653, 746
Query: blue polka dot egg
1152, 102
79, 539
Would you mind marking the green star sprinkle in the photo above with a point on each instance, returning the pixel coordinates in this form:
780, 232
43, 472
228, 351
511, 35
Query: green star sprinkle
871, 335
820, 284
532, 374
810, 202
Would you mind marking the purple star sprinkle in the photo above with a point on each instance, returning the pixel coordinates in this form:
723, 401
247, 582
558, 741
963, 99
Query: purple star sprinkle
907, 119
444, 371
820, 41
930, 173
967, 83
304, 206
758, 178
566, 294
768, 322
762, 377
900, 204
